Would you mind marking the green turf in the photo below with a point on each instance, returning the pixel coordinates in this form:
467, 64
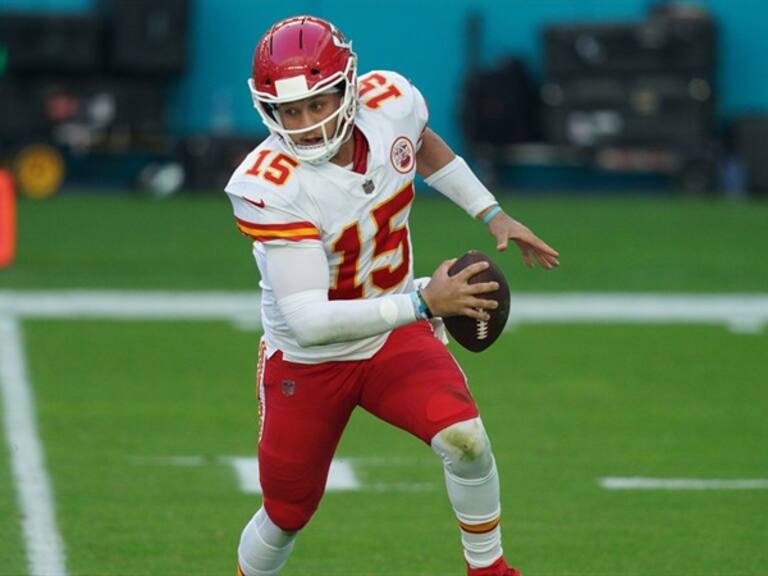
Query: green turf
191, 243
140, 391
564, 406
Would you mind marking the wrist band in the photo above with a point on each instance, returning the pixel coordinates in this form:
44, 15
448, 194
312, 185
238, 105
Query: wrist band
488, 217
420, 305
417, 307
427, 311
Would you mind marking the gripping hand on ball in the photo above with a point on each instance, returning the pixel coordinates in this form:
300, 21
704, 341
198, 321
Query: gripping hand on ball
454, 296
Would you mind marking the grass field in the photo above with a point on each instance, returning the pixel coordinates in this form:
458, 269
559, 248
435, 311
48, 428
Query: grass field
117, 403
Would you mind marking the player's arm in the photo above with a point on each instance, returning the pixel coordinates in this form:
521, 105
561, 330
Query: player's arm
299, 279
449, 174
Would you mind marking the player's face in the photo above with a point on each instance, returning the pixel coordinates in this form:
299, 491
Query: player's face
310, 112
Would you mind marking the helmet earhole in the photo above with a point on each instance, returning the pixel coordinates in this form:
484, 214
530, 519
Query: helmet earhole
315, 71
267, 81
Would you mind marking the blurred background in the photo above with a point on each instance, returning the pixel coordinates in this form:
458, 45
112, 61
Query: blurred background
555, 94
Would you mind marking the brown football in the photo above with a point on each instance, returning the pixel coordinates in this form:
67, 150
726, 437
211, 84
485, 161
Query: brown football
477, 335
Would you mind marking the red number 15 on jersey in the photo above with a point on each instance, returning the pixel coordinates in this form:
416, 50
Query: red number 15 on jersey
381, 88
386, 240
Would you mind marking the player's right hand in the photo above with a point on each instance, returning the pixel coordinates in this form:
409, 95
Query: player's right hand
505, 228
455, 296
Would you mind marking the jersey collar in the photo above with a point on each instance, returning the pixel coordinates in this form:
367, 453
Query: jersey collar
360, 154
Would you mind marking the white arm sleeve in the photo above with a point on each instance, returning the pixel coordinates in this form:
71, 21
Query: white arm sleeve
299, 279
456, 181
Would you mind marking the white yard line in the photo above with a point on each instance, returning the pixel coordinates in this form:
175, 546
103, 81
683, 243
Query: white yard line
342, 476
639, 483
128, 305
45, 548
741, 312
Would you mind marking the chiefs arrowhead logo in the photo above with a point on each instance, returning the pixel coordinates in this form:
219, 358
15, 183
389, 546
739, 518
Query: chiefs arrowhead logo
402, 155
338, 38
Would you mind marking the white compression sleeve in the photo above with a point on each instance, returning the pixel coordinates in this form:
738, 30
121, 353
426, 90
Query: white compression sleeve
315, 320
473, 488
456, 181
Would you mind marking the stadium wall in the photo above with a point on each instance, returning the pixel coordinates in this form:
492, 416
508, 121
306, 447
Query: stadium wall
424, 40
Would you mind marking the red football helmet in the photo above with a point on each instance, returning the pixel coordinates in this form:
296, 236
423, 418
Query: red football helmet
298, 58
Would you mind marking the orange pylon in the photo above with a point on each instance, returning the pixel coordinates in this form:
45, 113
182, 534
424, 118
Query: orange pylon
7, 219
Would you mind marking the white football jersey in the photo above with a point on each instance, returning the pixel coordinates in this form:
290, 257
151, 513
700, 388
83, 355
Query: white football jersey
361, 220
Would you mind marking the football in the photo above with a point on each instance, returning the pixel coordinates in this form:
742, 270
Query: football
472, 334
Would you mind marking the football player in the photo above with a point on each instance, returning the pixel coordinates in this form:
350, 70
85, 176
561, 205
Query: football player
325, 199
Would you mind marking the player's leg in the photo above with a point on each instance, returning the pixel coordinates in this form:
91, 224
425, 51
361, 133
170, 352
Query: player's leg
303, 411
264, 546
418, 386
472, 482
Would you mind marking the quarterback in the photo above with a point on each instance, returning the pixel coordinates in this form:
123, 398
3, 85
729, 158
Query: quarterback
325, 200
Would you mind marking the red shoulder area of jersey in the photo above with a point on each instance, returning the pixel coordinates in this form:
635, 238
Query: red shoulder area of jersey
291, 231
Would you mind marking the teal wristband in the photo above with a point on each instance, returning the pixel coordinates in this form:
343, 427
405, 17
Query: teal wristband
427, 312
487, 218
418, 307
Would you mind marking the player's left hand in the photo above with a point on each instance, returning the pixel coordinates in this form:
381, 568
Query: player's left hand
505, 228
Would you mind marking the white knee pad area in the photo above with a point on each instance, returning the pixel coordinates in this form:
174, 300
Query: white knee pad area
465, 449
473, 488
470, 471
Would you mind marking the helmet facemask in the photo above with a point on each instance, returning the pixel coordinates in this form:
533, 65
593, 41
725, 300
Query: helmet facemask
295, 89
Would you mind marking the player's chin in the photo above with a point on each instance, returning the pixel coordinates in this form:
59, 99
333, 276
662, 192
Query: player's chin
310, 145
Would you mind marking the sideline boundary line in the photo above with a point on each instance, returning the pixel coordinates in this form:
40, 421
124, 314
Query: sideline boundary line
44, 545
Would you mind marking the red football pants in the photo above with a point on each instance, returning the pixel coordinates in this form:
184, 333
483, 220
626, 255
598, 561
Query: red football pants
412, 382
